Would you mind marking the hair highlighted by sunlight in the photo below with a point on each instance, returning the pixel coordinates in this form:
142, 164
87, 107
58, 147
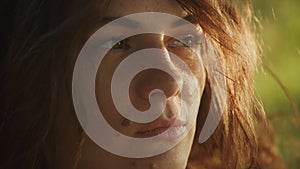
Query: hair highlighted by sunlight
37, 78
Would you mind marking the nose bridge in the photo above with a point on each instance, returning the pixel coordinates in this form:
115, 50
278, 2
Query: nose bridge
151, 79
150, 40
156, 41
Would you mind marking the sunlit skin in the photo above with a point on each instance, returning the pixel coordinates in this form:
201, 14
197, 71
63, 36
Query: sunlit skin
94, 157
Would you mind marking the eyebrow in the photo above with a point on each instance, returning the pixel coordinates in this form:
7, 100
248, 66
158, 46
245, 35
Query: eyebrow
189, 18
133, 24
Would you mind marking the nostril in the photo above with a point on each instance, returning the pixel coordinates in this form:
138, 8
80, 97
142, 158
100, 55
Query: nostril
170, 115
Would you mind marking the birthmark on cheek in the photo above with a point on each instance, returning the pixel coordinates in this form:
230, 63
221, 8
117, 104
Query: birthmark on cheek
125, 123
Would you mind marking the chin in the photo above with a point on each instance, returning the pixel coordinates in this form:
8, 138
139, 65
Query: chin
94, 157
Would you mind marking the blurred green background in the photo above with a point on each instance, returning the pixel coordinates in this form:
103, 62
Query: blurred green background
279, 29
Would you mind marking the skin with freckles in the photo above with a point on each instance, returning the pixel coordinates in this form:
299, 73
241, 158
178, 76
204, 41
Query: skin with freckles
94, 157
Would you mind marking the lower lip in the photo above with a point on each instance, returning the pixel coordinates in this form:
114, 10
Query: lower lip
165, 133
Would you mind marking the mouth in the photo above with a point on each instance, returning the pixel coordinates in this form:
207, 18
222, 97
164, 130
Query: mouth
163, 129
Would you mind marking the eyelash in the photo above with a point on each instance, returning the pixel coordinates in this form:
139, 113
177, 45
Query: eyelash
185, 42
115, 44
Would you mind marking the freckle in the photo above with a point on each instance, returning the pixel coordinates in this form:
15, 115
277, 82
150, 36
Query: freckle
125, 123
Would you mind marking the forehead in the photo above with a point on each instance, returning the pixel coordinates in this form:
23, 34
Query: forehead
117, 8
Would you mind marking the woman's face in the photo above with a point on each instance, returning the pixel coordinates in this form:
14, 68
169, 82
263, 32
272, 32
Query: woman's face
91, 155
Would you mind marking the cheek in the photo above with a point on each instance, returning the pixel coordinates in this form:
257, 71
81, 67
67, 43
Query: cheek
200, 74
103, 89
195, 64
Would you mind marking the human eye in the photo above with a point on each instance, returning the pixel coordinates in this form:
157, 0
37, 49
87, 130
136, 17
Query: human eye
115, 44
185, 41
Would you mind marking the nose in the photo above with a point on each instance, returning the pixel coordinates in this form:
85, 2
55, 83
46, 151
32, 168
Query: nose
149, 80
153, 79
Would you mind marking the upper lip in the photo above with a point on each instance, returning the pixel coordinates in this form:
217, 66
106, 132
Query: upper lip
161, 123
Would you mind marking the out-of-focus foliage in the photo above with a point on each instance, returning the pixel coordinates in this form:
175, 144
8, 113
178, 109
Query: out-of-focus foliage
279, 29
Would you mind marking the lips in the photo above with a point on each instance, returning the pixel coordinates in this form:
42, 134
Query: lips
166, 129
